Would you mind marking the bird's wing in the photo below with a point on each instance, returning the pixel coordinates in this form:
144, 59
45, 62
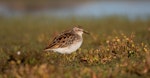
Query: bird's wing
61, 41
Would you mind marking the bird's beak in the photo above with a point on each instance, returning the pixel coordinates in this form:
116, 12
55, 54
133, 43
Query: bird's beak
86, 32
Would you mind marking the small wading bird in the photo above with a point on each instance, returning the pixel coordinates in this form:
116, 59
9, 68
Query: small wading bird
67, 41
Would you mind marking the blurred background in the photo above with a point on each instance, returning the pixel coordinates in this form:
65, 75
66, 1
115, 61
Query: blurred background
117, 47
78, 8
101, 17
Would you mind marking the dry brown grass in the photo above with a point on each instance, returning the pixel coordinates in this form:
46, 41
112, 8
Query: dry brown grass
104, 54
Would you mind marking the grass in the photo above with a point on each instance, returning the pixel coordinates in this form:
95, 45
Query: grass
117, 48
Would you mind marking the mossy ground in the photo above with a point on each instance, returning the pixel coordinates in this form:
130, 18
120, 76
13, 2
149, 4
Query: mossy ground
117, 48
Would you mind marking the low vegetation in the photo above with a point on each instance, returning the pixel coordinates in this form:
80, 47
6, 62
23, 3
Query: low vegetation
116, 48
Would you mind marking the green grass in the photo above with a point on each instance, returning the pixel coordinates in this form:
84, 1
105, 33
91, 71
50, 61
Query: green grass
117, 48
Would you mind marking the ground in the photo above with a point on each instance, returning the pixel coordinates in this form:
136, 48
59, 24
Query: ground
118, 47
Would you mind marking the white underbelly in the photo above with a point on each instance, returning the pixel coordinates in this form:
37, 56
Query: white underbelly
69, 49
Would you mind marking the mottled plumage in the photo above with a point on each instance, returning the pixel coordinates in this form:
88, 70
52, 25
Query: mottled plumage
67, 41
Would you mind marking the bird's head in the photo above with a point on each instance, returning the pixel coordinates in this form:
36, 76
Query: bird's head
79, 30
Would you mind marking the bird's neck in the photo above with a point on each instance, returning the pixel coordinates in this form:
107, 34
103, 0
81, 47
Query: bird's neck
80, 34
